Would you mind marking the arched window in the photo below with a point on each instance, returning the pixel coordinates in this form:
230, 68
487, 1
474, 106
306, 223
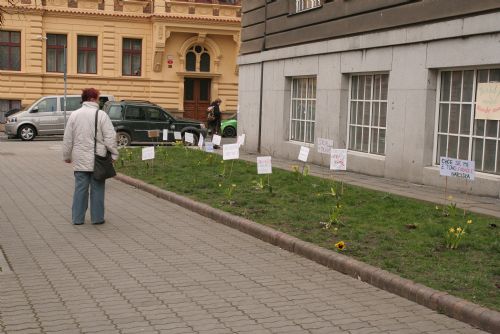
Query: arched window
197, 59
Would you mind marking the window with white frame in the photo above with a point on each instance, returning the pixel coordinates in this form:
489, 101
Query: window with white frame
459, 135
303, 109
368, 113
302, 5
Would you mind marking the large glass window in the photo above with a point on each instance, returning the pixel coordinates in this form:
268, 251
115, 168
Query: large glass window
459, 134
303, 110
131, 57
302, 5
10, 50
87, 54
197, 59
56, 44
368, 113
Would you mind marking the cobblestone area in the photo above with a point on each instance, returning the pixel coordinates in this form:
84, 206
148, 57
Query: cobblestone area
155, 267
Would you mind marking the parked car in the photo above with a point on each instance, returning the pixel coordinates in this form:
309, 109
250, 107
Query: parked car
229, 126
45, 117
135, 120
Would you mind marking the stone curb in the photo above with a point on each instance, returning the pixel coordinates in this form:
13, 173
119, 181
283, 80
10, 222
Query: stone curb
460, 309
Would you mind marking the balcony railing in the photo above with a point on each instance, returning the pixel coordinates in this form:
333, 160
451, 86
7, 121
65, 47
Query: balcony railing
303, 5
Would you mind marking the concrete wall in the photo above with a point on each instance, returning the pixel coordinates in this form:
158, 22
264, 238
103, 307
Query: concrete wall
413, 71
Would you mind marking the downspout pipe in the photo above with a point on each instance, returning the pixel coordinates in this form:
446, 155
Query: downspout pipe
259, 143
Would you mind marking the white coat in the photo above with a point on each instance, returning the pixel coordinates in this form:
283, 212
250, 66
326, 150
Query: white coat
78, 143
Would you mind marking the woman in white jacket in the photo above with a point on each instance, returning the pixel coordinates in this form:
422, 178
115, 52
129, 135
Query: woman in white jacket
78, 147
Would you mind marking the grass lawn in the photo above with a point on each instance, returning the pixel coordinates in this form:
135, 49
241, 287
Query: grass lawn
404, 236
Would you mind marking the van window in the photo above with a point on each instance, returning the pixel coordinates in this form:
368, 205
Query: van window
155, 114
102, 100
115, 112
72, 103
47, 105
133, 113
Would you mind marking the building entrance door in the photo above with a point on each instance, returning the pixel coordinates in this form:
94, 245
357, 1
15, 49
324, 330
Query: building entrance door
196, 98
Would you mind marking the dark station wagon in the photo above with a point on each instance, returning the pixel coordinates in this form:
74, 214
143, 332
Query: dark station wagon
136, 121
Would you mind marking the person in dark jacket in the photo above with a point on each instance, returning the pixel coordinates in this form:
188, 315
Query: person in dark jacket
214, 125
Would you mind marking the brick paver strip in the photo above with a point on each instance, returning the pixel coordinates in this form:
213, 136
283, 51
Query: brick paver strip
457, 308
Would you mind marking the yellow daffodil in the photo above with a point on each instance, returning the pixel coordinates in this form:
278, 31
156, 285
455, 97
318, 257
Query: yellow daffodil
452, 230
459, 229
469, 221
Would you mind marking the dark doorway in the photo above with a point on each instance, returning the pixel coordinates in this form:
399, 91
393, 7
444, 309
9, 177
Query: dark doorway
196, 98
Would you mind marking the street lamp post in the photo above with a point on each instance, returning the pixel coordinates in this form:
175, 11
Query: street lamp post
65, 82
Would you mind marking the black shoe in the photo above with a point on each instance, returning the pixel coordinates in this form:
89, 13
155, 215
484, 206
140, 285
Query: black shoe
99, 223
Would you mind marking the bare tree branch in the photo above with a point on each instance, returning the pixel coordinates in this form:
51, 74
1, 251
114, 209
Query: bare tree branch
12, 7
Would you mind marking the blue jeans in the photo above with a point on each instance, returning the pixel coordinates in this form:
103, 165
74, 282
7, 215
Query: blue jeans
81, 198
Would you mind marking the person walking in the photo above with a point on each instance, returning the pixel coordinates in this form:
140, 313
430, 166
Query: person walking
78, 147
216, 122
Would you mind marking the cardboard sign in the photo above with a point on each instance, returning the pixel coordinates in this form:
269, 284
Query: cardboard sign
177, 135
216, 139
148, 153
304, 153
209, 146
264, 165
200, 141
338, 159
324, 145
165, 134
153, 133
230, 152
189, 138
488, 101
464, 169
241, 140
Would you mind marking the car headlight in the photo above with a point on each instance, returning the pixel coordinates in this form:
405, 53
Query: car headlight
12, 120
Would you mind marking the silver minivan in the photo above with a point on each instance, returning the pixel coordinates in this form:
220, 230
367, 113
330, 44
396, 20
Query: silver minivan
45, 117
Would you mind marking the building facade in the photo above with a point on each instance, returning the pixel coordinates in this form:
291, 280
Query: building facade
392, 81
178, 54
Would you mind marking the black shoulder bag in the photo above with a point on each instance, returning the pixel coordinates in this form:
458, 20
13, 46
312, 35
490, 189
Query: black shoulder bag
103, 166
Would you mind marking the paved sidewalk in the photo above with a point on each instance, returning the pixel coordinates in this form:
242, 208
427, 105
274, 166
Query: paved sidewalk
155, 267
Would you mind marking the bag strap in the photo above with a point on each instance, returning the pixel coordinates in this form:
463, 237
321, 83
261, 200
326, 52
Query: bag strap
95, 130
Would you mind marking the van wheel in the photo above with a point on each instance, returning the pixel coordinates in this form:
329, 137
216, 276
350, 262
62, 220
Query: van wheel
123, 139
26, 132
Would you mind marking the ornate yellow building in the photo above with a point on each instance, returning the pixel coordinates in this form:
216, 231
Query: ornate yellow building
178, 54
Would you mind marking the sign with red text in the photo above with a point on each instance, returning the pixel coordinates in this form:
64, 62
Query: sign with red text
338, 159
457, 168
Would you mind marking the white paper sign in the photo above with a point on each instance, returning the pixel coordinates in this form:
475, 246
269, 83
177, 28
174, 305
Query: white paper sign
200, 141
189, 138
241, 140
230, 151
324, 145
264, 165
148, 153
177, 135
464, 169
304, 153
165, 134
338, 159
209, 146
488, 101
216, 139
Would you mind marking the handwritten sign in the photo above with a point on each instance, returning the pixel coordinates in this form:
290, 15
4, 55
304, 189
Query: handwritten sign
200, 141
209, 147
338, 159
304, 153
488, 101
177, 135
148, 153
165, 134
264, 165
241, 139
324, 145
189, 138
216, 139
230, 152
457, 168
